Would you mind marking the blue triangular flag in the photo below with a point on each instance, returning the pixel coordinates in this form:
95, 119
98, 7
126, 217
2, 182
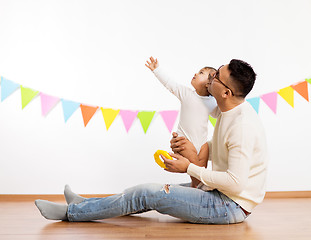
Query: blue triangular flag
69, 107
7, 88
254, 102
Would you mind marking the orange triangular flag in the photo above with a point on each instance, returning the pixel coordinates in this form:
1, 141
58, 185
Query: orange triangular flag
87, 113
302, 89
288, 95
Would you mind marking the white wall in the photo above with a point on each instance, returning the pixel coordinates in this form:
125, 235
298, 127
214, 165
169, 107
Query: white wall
94, 52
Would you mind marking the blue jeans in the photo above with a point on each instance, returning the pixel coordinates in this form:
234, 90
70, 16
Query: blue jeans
190, 204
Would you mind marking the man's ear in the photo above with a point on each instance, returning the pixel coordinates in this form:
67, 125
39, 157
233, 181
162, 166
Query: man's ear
226, 93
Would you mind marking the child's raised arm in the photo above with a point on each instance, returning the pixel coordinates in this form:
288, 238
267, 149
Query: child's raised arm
179, 90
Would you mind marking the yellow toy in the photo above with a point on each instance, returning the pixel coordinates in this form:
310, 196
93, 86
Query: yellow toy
158, 160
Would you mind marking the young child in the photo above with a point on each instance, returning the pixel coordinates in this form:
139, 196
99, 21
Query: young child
196, 106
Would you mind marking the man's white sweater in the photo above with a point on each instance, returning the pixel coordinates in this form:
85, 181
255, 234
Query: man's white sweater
238, 152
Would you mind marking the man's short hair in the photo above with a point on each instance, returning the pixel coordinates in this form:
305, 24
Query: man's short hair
242, 75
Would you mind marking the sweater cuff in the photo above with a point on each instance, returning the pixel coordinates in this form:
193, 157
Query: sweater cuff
194, 171
155, 71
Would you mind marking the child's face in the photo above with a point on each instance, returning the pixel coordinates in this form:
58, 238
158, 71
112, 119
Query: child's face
200, 80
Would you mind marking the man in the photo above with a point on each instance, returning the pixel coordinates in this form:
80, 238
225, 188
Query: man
238, 149
229, 192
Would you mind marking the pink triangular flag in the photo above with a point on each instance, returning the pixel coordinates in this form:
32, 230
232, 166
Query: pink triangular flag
128, 118
270, 99
169, 117
47, 103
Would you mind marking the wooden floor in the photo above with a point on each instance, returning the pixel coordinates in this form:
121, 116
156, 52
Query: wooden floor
288, 218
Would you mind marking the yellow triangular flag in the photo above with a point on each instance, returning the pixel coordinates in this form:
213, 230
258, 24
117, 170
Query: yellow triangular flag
288, 95
109, 116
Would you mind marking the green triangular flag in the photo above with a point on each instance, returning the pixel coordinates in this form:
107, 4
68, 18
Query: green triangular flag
27, 95
145, 119
212, 120
308, 80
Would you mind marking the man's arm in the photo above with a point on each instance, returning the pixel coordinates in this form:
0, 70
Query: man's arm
240, 146
233, 180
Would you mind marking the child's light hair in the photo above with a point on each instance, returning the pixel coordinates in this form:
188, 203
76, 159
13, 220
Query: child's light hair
210, 68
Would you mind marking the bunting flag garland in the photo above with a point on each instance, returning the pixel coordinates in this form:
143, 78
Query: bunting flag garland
128, 117
69, 107
169, 118
109, 115
7, 88
27, 95
87, 113
145, 118
47, 103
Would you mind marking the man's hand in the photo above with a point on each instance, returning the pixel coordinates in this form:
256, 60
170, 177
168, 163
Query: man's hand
177, 143
178, 165
153, 64
184, 147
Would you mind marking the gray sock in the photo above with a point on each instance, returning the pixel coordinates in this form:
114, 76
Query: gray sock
72, 197
51, 210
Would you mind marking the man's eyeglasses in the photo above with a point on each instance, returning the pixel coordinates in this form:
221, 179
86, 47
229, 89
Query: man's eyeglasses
216, 76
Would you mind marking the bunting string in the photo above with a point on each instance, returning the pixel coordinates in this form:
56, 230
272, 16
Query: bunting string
48, 102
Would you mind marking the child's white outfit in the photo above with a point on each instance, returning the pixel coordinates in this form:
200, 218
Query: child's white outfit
194, 111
